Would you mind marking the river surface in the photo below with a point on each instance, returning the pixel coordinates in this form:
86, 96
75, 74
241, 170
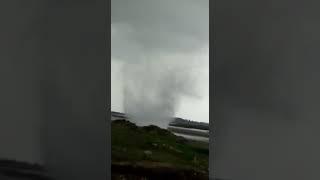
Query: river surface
190, 135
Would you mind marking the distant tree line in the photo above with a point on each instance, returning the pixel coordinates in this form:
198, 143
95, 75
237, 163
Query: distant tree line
179, 122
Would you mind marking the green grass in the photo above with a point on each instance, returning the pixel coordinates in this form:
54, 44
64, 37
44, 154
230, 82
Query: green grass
129, 143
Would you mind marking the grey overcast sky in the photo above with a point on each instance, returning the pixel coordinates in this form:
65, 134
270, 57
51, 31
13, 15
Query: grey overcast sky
158, 35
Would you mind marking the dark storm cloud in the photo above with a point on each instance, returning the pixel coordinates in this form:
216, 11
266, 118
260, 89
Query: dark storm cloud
160, 26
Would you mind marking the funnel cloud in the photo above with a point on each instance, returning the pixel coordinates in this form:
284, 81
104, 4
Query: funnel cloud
162, 50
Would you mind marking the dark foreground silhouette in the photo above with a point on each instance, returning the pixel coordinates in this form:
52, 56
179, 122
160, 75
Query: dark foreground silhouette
153, 172
17, 170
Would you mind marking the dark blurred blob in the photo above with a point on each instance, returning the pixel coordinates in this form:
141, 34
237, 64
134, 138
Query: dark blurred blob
267, 90
22, 108
53, 86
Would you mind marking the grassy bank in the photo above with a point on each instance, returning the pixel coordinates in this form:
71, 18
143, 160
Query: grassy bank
155, 148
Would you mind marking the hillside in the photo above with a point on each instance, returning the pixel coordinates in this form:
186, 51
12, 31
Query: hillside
141, 150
